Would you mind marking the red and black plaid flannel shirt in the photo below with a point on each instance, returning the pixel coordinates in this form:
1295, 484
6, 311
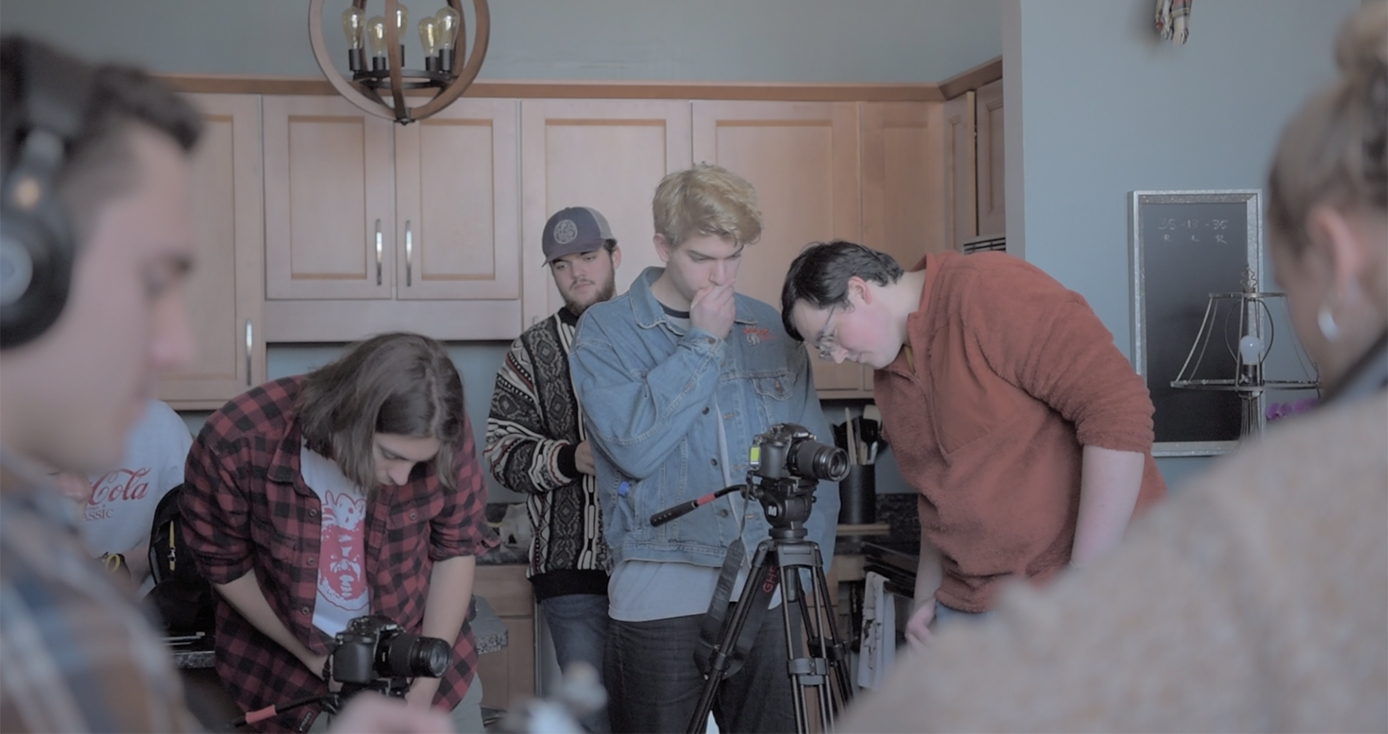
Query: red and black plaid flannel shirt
246, 507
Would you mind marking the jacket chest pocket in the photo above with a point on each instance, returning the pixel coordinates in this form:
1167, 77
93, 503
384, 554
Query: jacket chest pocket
773, 393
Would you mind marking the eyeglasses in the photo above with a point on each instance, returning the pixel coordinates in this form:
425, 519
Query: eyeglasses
824, 341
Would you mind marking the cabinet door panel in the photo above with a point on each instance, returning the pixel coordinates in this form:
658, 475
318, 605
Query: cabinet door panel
606, 154
329, 180
992, 214
802, 158
456, 204
903, 187
959, 168
508, 676
225, 290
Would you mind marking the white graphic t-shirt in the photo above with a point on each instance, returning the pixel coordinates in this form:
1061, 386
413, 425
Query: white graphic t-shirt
120, 513
342, 588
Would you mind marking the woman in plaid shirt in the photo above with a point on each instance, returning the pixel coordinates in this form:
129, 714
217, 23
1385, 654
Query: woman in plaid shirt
315, 499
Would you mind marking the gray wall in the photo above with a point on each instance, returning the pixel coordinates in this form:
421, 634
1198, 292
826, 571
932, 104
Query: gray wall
1097, 106
705, 40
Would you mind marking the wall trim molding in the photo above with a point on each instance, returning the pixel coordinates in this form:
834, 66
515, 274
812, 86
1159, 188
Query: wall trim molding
791, 92
969, 81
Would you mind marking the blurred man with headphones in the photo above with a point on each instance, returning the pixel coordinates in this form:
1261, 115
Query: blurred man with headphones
96, 241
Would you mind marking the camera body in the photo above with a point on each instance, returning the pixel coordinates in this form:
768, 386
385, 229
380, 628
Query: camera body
375, 653
785, 465
787, 450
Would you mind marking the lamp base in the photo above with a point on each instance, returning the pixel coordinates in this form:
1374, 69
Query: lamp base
1252, 419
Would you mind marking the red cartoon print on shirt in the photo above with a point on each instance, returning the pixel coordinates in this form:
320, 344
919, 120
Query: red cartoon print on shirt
342, 581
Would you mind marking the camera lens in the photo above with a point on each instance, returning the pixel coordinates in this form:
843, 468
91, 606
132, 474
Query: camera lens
414, 656
819, 461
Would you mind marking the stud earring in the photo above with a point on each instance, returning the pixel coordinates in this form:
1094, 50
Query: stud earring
1326, 321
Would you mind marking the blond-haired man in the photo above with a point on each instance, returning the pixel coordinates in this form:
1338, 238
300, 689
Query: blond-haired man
676, 377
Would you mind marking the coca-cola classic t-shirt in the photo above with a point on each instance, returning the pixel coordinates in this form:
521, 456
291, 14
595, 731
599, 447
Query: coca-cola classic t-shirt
119, 515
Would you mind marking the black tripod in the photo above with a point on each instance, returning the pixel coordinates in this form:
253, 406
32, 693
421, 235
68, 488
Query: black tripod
817, 656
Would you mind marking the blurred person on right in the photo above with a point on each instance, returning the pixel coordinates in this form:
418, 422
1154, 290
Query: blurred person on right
1257, 598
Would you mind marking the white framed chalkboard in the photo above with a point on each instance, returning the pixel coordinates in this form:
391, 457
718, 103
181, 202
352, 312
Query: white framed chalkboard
1183, 246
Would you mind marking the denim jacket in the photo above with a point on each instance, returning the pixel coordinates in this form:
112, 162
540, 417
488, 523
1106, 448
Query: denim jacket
652, 394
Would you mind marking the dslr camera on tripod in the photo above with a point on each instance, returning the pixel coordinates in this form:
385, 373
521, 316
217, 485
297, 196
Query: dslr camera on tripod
785, 464
787, 450
376, 654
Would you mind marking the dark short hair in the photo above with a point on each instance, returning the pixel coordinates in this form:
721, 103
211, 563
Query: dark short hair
99, 160
819, 276
399, 383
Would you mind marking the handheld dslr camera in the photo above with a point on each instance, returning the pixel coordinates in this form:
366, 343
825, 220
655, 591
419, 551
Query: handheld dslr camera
376, 654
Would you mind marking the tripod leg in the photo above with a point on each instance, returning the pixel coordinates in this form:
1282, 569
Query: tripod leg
832, 647
799, 668
824, 661
756, 591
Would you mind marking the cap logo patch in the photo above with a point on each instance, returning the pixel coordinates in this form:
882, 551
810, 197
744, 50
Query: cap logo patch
565, 231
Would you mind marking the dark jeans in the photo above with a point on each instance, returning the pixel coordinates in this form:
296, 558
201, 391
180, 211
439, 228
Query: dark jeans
655, 684
578, 625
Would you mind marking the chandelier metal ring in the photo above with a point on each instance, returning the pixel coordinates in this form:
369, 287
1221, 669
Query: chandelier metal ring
397, 109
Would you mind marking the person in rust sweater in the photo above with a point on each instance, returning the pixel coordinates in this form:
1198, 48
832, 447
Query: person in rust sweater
1025, 431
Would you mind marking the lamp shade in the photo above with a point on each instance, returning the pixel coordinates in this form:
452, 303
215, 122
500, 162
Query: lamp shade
1238, 350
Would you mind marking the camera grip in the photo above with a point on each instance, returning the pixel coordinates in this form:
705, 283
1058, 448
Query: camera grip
684, 508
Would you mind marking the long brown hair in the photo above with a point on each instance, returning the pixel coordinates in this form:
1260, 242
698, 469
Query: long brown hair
399, 383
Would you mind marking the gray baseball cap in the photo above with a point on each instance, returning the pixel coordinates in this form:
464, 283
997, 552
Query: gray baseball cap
575, 229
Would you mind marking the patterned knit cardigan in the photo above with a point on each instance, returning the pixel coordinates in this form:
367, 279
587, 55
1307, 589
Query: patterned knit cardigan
534, 424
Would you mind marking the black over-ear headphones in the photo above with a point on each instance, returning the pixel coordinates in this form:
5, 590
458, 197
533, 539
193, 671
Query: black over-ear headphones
37, 246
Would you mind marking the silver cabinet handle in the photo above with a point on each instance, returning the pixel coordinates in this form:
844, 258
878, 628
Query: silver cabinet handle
380, 245
409, 254
250, 346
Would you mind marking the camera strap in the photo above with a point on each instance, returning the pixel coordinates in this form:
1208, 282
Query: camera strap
720, 609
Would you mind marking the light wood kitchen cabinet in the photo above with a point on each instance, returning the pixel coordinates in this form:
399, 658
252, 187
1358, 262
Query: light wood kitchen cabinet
960, 169
224, 291
903, 184
372, 226
361, 225
802, 158
508, 676
992, 214
605, 154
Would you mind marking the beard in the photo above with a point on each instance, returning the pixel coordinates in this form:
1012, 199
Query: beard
602, 293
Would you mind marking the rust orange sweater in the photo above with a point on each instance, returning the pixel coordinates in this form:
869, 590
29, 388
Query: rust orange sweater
1013, 375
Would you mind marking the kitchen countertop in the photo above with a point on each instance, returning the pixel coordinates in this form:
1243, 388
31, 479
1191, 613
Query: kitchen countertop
487, 628
504, 555
896, 523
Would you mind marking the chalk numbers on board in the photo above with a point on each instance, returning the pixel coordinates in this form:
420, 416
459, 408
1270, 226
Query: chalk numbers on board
1212, 231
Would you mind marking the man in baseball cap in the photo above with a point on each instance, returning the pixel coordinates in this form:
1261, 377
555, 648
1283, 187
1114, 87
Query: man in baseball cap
536, 445
572, 241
